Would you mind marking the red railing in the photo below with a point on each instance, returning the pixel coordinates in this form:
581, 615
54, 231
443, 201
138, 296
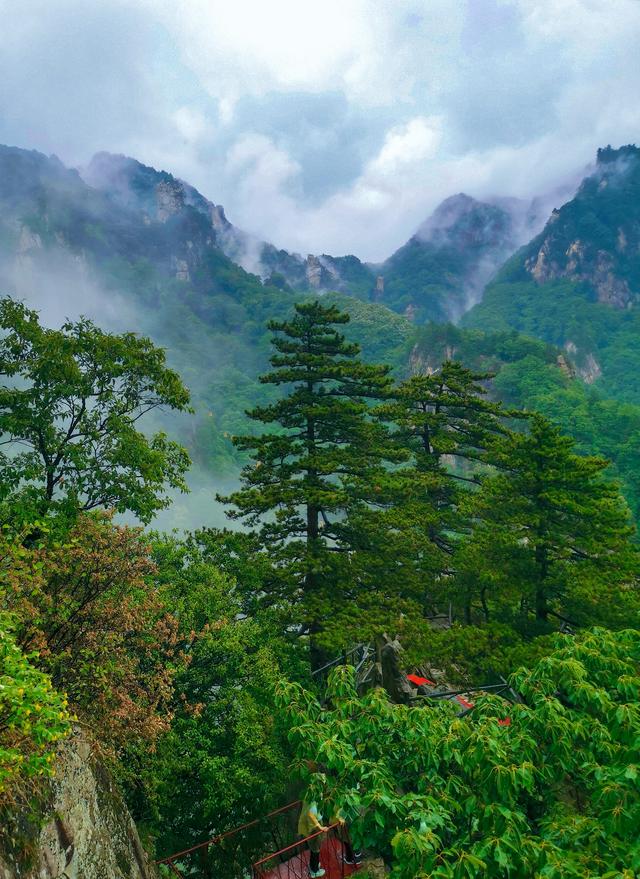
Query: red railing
292, 861
181, 863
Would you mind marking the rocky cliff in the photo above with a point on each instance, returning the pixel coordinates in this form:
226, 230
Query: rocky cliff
594, 239
89, 834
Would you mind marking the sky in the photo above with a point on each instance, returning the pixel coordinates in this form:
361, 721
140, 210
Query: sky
333, 126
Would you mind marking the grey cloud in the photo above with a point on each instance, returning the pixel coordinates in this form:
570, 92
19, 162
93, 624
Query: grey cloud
327, 136
523, 94
70, 73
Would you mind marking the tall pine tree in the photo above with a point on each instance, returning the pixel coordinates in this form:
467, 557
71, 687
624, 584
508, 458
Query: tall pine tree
446, 427
552, 538
322, 457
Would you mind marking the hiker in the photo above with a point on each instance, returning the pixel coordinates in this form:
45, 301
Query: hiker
310, 821
348, 855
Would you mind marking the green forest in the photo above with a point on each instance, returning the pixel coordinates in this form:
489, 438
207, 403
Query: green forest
392, 476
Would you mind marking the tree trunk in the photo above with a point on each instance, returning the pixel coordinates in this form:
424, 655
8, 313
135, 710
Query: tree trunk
542, 565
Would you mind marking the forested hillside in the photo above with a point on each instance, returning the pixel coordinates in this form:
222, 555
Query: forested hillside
369, 504
136, 247
472, 490
577, 284
140, 248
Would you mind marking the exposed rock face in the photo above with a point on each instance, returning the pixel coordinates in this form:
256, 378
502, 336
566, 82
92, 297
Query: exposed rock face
182, 270
581, 264
91, 834
590, 370
159, 196
374, 868
610, 289
594, 239
313, 271
394, 679
169, 198
564, 366
218, 218
29, 241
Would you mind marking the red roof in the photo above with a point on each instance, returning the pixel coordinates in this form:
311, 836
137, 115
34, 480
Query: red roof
420, 682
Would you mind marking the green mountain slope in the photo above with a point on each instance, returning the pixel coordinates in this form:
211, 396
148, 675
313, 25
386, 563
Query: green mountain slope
537, 376
443, 267
436, 275
140, 249
577, 284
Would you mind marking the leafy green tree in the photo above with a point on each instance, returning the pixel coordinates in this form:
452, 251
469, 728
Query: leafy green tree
87, 609
69, 411
547, 787
225, 759
33, 716
553, 538
323, 457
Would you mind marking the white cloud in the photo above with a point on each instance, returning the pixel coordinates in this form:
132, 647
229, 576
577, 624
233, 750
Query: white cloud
259, 166
415, 141
191, 124
433, 97
363, 48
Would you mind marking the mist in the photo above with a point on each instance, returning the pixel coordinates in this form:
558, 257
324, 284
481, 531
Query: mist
62, 287
334, 128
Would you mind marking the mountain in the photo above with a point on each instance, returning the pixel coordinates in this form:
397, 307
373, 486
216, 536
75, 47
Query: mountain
439, 273
595, 238
436, 275
577, 284
133, 247
138, 248
158, 196
444, 266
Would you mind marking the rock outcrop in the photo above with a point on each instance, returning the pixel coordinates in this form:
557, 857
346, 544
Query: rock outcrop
594, 239
90, 833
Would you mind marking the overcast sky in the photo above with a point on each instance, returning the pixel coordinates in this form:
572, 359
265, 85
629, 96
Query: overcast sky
326, 125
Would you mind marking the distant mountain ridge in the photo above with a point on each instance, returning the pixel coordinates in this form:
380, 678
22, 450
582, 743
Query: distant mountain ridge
141, 250
138, 249
577, 283
436, 275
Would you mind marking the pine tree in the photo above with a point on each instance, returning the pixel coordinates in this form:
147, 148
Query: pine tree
553, 537
323, 458
447, 428
446, 415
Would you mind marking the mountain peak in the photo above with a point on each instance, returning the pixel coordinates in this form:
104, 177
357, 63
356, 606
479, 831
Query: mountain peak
609, 155
158, 194
461, 221
594, 239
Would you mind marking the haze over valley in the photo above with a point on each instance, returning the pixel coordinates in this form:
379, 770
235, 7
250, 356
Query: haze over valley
319, 439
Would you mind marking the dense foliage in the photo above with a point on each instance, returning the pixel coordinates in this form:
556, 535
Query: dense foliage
33, 717
226, 756
320, 464
544, 787
534, 375
70, 404
552, 537
371, 503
